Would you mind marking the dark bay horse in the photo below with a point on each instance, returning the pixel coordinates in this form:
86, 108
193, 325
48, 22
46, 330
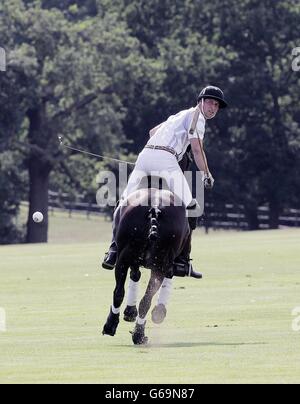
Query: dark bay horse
150, 232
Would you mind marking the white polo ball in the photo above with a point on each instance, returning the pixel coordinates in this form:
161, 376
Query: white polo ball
37, 217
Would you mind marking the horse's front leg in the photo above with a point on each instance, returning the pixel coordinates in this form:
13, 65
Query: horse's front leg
113, 319
138, 335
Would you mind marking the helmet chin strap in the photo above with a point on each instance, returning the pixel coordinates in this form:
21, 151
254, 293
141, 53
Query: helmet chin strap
203, 112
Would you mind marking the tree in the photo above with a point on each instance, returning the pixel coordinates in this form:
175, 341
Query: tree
67, 83
264, 141
102, 73
11, 193
173, 36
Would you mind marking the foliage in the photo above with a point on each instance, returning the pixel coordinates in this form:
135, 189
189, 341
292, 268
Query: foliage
66, 83
11, 193
102, 73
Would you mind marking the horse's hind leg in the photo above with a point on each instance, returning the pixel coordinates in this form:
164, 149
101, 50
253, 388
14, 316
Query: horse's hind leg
138, 335
113, 319
130, 313
160, 310
152, 288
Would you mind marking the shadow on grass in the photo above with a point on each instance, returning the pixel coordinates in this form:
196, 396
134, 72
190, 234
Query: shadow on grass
198, 344
192, 344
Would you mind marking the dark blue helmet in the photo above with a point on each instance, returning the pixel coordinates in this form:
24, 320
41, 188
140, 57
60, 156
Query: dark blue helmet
215, 93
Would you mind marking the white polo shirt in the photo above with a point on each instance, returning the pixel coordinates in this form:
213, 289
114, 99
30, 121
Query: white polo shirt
174, 132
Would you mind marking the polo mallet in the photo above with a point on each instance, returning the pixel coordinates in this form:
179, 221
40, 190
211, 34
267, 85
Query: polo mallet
61, 142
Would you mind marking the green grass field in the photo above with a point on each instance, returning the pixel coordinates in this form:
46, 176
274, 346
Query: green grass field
234, 326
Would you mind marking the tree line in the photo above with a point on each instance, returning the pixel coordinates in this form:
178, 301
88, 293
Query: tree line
101, 73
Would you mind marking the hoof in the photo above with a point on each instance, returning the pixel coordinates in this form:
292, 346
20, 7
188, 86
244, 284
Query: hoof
130, 314
111, 324
159, 314
138, 335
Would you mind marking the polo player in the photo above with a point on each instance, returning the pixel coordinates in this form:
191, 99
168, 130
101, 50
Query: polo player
162, 155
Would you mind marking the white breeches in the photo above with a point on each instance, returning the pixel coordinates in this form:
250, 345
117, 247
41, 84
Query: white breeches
161, 164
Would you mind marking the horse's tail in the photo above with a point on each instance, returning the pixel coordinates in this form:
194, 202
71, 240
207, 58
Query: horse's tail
153, 216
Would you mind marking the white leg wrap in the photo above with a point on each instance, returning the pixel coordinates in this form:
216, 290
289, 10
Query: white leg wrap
133, 292
165, 292
114, 310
